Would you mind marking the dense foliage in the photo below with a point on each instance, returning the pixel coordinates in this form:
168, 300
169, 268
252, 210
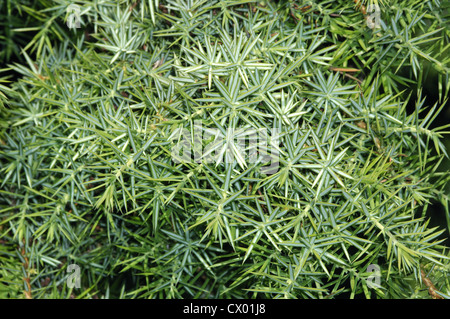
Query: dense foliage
90, 118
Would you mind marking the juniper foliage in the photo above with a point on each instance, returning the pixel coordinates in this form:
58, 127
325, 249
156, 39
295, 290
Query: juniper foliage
92, 115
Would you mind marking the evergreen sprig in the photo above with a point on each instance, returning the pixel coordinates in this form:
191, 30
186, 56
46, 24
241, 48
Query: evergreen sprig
90, 124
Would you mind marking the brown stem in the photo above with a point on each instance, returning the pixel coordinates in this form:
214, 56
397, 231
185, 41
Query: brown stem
431, 288
25, 265
262, 199
360, 6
